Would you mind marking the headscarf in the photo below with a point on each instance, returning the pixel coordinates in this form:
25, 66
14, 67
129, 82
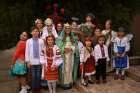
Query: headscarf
61, 44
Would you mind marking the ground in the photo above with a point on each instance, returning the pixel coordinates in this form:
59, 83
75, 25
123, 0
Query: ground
9, 85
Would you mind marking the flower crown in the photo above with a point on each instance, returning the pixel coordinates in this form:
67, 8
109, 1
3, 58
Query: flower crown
37, 20
48, 21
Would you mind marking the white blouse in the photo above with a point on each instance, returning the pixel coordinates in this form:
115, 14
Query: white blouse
98, 53
122, 42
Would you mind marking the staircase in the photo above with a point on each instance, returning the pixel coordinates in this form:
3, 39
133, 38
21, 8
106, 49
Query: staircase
7, 84
134, 70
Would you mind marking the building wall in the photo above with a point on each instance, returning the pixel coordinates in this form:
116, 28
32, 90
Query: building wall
136, 32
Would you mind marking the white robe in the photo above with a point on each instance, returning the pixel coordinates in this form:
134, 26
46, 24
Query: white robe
45, 32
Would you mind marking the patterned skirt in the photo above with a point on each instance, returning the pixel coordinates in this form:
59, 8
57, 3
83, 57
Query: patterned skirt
89, 66
19, 68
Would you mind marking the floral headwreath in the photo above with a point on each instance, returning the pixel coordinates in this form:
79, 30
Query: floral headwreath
37, 20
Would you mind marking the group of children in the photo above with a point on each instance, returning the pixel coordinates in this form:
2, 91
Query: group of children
58, 53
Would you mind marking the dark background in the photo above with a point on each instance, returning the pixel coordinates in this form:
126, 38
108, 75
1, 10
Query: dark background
19, 15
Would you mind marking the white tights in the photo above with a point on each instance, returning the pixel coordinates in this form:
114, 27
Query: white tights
120, 70
52, 86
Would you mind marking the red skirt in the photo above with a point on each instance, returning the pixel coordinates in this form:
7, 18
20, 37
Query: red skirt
89, 65
50, 74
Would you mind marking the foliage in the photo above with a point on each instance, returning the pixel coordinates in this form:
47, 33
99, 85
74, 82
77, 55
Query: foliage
18, 15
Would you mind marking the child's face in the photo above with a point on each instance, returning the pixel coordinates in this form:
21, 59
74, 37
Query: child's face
35, 33
50, 41
101, 40
49, 27
97, 32
107, 25
121, 34
23, 36
67, 30
88, 43
88, 19
39, 24
59, 27
74, 25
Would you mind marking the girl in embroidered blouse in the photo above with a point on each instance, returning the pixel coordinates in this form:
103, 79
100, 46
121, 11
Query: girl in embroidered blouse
87, 62
51, 59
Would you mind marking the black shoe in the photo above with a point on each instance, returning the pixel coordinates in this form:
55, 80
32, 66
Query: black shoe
116, 77
98, 81
90, 81
123, 77
104, 81
67, 87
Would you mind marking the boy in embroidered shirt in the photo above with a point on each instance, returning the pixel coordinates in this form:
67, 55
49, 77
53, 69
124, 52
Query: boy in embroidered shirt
34, 47
101, 58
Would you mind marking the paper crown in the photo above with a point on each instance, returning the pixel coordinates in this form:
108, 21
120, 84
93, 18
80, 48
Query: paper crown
67, 25
48, 21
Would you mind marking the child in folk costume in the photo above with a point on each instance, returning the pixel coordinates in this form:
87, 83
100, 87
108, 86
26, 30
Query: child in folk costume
89, 26
80, 48
34, 47
59, 27
121, 48
101, 57
108, 32
51, 59
39, 24
68, 45
109, 35
19, 68
75, 25
87, 62
49, 29
97, 33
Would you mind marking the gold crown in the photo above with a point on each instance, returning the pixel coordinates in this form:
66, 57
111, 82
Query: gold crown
48, 21
67, 25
